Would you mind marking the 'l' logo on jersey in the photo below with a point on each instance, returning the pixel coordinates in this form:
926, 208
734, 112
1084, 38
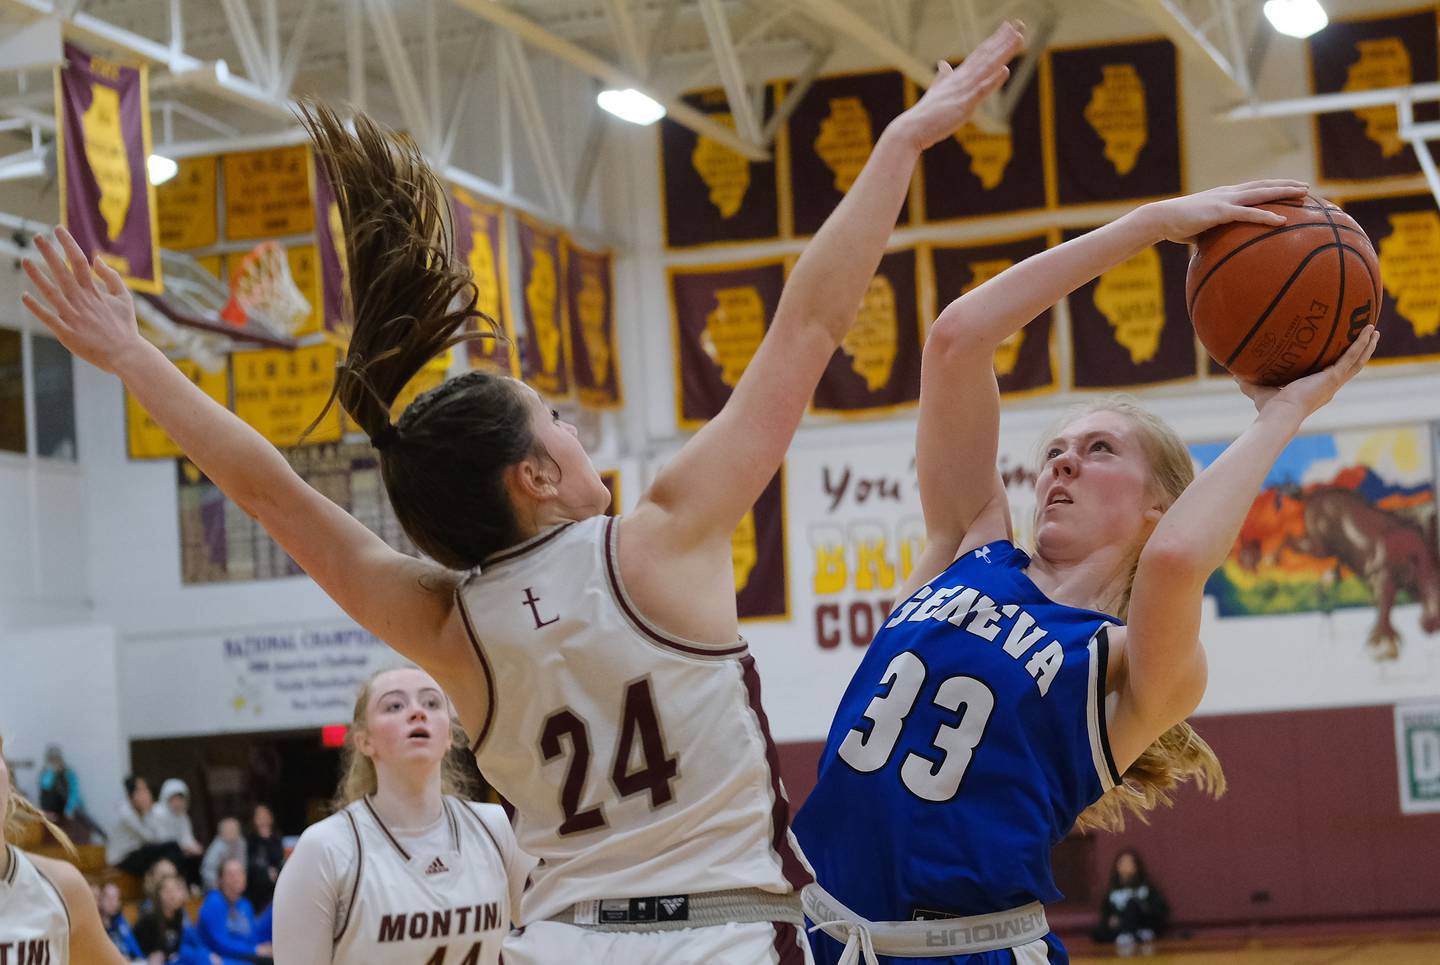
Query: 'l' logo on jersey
533, 602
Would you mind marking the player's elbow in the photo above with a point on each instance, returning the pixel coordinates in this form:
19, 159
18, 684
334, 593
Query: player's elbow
1178, 562
954, 338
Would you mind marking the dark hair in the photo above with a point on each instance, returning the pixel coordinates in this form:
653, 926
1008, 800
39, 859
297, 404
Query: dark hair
1141, 876
443, 462
132, 781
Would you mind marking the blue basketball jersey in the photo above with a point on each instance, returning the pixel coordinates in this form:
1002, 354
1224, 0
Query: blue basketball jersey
967, 743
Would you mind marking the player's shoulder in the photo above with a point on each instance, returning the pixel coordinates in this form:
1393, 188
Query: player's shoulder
66, 878
329, 835
495, 820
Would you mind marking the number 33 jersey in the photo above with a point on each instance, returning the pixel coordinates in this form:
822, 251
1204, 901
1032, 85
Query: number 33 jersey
639, 764
967, 743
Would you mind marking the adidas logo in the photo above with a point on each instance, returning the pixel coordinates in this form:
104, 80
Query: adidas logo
674, 908
437, 867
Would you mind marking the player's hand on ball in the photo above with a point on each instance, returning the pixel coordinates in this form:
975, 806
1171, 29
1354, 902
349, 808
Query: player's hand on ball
1181, 219
85, 304
1311, 392
954, 95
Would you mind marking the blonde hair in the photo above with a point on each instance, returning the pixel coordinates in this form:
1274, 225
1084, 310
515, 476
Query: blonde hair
21, 816
360, 779
1179, 754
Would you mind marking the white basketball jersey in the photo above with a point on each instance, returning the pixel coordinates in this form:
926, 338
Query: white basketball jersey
450, 907
34, 920
639, 764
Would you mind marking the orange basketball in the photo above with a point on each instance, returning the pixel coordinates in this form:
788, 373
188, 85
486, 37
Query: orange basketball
1274, 303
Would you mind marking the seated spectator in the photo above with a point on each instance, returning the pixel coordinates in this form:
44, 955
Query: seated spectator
228, 926
113, 918
154, 875
134, 844
165, 934
227, 846
265, 855
1134, 910
171, 816
60, 799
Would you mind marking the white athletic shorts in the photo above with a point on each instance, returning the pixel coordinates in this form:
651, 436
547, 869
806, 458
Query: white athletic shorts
754, 943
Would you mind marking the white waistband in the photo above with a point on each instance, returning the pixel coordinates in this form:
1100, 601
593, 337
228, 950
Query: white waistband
921, 939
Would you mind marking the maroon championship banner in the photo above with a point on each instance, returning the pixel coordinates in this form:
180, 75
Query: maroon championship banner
831, 135
976, 172
543, 355
1115, 111
720, 314
103, 140
330, 248
590, 314
611, 479
480, 243
877, 367
1405, 230
1024, 362
1129, 327
1364, 54
711, 194
757, 548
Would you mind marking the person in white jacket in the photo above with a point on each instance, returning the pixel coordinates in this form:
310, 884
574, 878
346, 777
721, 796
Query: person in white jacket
171, 818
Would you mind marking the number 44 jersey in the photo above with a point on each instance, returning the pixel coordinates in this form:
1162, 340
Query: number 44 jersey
967, 743
639, 764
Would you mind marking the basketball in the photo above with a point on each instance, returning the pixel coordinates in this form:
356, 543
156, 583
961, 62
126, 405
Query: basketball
1272, 304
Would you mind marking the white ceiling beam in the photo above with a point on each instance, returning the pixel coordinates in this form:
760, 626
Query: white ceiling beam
462, 100
299, 36
796, 92
627, 36
355, 54
847, 22
1324, 103
415, 107
536, 126
540, 38
1171, 17
270, 18
242, 31
732, 74
754, 32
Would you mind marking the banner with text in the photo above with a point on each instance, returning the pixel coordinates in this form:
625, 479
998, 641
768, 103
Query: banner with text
876, 369
590, 313
480, 244
544, 358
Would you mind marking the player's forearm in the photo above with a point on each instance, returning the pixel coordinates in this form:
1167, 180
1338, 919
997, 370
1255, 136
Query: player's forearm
233, 455
828, 282
1198, 531
987, 315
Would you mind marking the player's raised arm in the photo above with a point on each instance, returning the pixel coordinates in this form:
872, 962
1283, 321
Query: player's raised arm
958, 431
1165, 664
716, 478
393, 595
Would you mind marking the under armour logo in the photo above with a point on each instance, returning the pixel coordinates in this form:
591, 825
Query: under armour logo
984, 553
532, 601
437, 867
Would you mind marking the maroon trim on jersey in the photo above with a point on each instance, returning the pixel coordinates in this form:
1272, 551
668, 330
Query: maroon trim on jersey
14, 864
791, 864
622, 599
14, 855
465, 809
454, 825
359, 870
484, 667
520, 549
371, 808
787, 944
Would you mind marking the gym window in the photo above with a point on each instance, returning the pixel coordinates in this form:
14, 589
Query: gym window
37, 396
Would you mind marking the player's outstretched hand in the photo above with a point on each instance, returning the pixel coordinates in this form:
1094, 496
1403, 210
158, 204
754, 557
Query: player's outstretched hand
1181, 219
955, 94
85, 304
1309, 393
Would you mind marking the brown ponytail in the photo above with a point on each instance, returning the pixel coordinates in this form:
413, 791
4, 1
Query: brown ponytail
443, 460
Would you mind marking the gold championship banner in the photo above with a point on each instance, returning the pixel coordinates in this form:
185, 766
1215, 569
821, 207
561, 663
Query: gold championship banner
102, 130
543, 357
975, 172
480, 244
1114, 115
1405, 230
1025, 362
144, 439
590, 314
279, 392
1129, 327
877, 367
711, 194
187, 204
757, 550
1394, 50
831, 134
267, 193
719, 313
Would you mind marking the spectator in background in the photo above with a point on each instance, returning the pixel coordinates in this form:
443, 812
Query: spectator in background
107, 898
134, 843
60, 798
165, 934
1134, 910
265, 854
157, 873
228, 926
227, 846
171, 816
